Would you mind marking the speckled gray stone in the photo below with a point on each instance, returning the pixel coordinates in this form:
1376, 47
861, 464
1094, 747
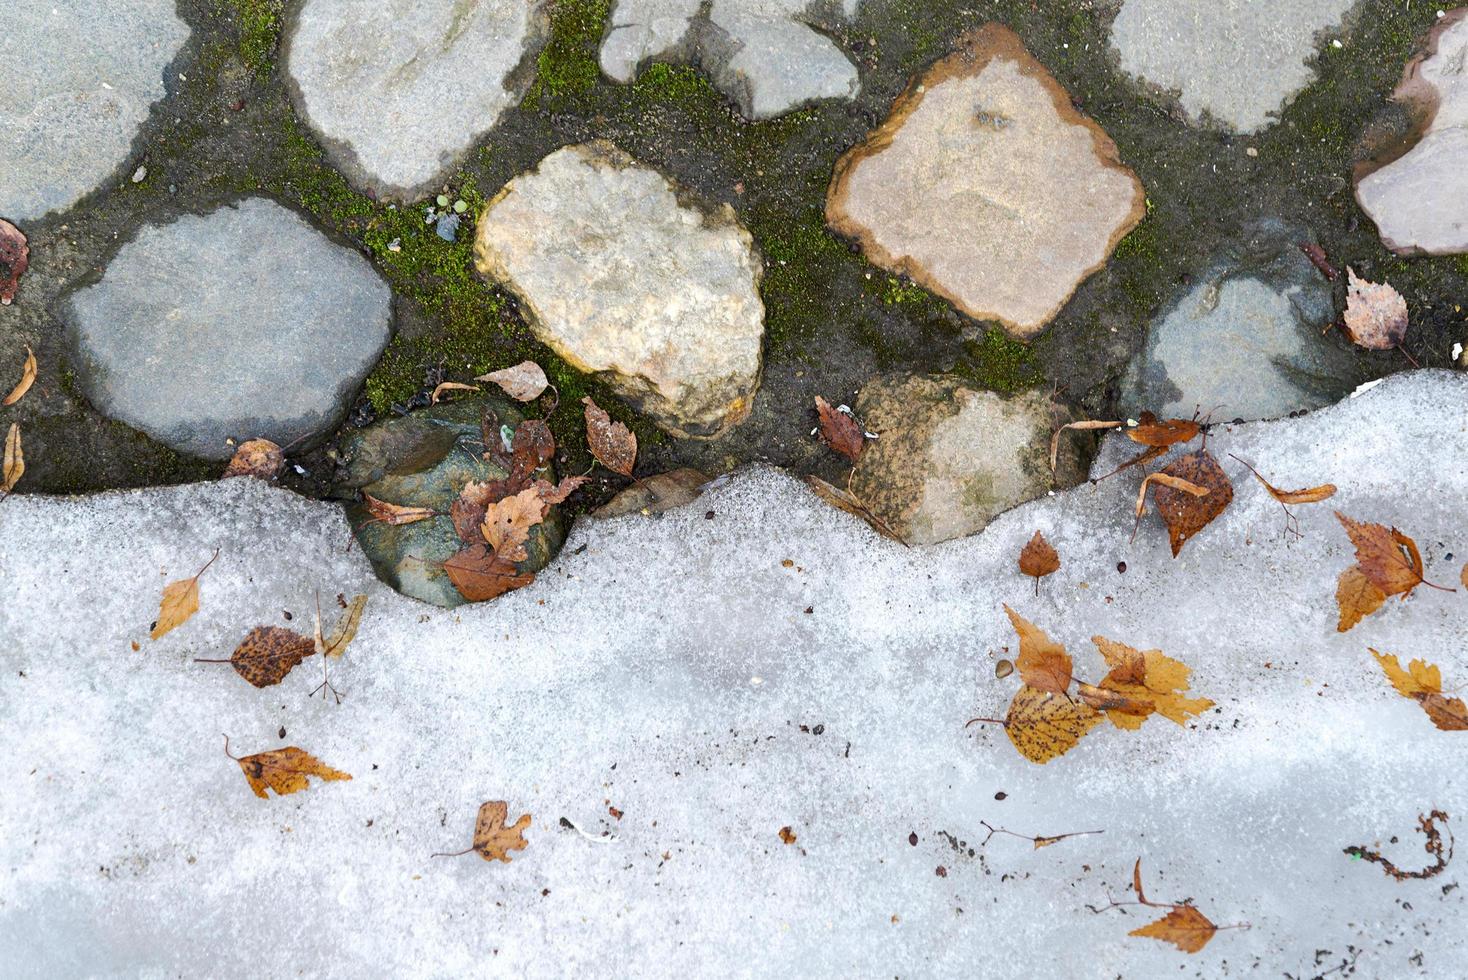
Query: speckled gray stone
1238, 61
1245, 340
245, 322
77, 79
399, 90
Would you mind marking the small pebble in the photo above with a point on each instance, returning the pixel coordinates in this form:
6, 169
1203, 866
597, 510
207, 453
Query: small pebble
139, 175
448, 227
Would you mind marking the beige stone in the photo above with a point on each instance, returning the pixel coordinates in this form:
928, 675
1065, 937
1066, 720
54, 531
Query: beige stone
986, 186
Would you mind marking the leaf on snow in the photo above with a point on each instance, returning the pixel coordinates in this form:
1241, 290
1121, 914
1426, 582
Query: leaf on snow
1422, 682
259, 458
493, 840
14, 258
284, 770
268, 653
1356, 597
1184, 926
27, 378
180, 601
524, 382
1385, 555
1184, 513
345, 630
1147, 678
840, 431
1043, 664
1038, 559
1376, 314
1044, 726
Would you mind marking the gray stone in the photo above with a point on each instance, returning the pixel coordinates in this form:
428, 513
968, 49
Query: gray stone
1419, 200
399, 90
760, 53
621, 275
986, 186
1245, 340
1237, 62
949, 458
77, 80
245, 322
424, 459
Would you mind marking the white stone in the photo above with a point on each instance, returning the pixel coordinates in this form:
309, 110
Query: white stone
399, 90
986, 186
1420, 200
1237, 61
761, 53
77, 80
619, 276
626, 673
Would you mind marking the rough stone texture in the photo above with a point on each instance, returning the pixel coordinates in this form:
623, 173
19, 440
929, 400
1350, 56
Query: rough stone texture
986, 186
619, 276
949, 458
77, 79
424, 459
667, 666
242, 323
399, 90
1237, 61
1245, 340
760, 53
1419, 200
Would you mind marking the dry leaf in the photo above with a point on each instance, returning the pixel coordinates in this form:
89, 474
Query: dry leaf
532, 447
656, 494
787, 835
438, 392
1147, 681
14, 258
1038, 559
1310, 495
1357, 597
1043, 664
180, 601
1376, 314
851, 504
345, 630
556, 493
1045, 726
1150, 432
27, 378
507, 523
396, 513
1184, 513
259, 458
284, 770
267, 654
612, 443
524, 382
840, 431
14, 463
1163, 479
479, 574
1422, 682
1386, 556
494, 841
1083, 426
1184, 926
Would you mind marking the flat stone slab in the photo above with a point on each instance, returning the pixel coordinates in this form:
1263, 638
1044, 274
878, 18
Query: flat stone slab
1248, 339
1419, 200
760, 53
242, 323
622, 276
1236, 62
399, 90
668, 668
77, 81
986, 186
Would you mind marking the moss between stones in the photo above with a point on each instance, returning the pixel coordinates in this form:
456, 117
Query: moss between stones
259, 28
568, 65
999, 362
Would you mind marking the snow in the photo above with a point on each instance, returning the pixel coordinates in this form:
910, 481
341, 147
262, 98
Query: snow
665, 666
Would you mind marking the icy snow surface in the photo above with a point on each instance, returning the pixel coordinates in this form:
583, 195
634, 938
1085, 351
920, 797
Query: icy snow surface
665, 666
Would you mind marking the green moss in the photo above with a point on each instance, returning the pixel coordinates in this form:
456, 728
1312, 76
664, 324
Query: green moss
567, 66
998, 362
673, 83
259, 28
801, 259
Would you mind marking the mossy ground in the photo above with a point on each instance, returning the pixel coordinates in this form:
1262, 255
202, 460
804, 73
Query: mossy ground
832, 319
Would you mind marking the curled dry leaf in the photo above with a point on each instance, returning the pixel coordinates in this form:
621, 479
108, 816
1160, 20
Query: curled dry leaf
1163, 479
267, 654
335, 644
447, 386
284, 770
479, 574
1043, 664
612, 443
840, 431
395, 513
1184, 512
1310, 495
1150, 432
180, 601
494, 841
1038, 559
556, 493
13, 467
1422, 682
259, 458
524, 382
1376, 314
27, 378
1081, 426
1184, 926
14, 258
851, 504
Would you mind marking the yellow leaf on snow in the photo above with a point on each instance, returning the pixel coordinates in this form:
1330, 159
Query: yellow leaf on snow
1045, 726
1357, 597
493, 840
1422, 682
180, 601
1042, 663
1147, 677
345, 630
285, 771
1185, 927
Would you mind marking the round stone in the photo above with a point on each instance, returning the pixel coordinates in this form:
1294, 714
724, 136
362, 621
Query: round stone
242, 323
